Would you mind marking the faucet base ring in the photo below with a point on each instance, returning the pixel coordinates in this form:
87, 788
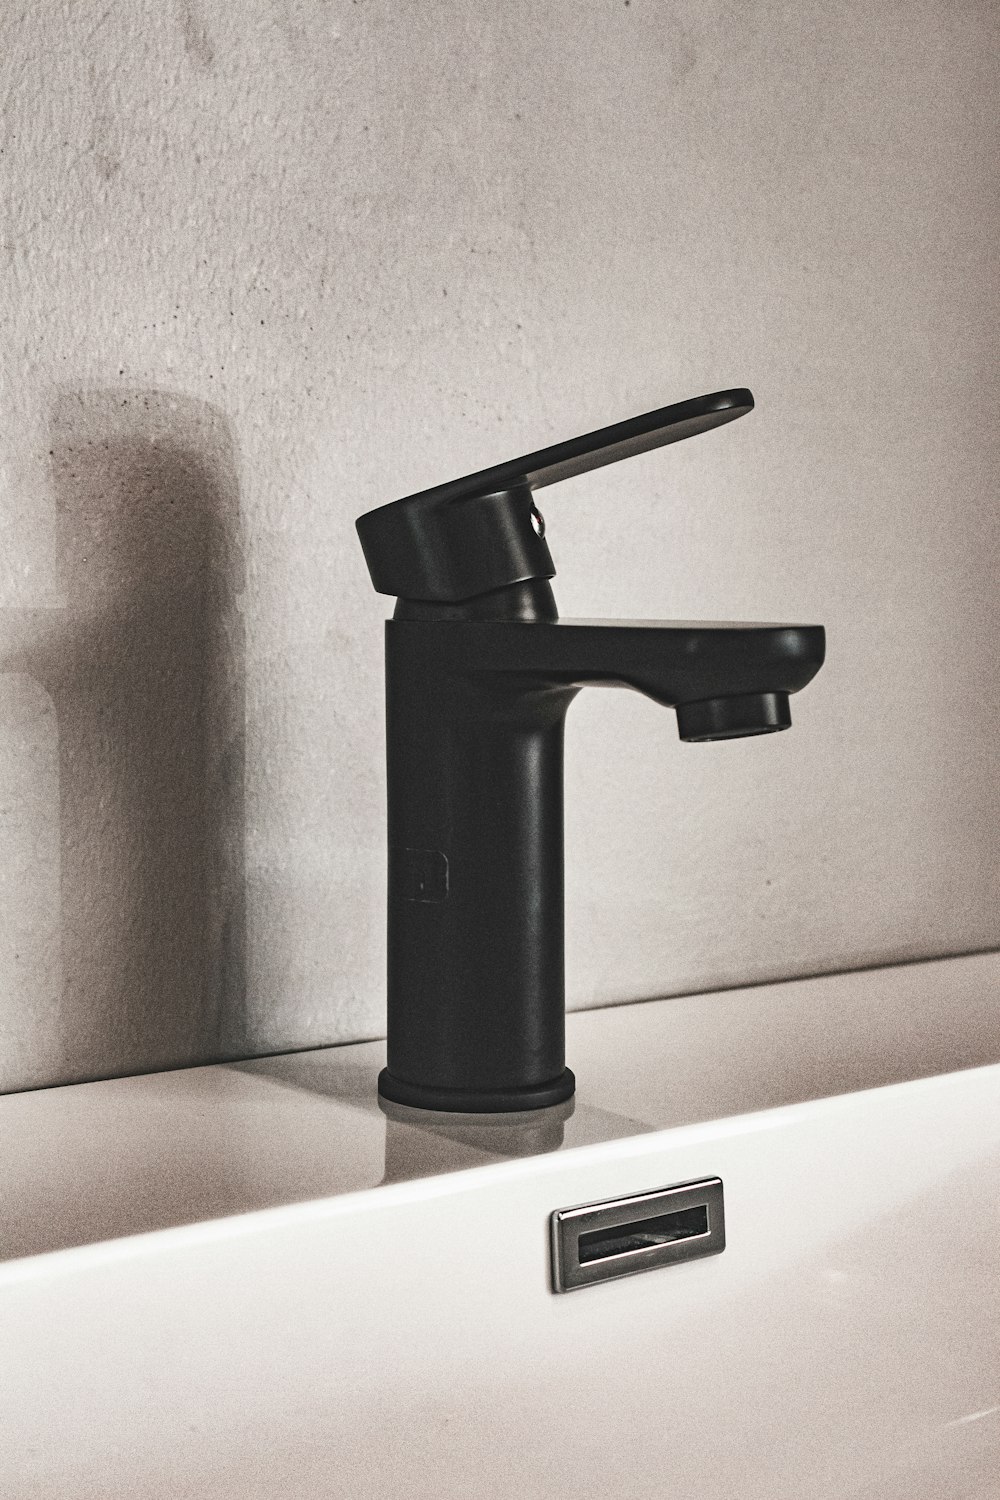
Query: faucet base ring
477, 1102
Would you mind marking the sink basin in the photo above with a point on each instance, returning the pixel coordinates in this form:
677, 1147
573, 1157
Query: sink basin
248, 1281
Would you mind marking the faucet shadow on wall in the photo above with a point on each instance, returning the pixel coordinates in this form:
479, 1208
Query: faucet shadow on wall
146, 668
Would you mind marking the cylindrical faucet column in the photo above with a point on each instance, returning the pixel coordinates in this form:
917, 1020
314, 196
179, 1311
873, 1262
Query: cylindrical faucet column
476, 990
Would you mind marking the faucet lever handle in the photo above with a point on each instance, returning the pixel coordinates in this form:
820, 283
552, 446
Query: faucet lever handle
482, 532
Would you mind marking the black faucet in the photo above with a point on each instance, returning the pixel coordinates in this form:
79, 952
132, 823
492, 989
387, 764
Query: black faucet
480, 671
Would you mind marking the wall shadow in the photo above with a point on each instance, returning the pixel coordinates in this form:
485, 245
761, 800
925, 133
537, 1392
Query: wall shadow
146, 668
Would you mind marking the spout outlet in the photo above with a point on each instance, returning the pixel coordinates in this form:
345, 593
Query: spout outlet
733, 717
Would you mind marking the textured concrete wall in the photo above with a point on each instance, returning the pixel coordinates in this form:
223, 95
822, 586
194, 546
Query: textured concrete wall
267, 265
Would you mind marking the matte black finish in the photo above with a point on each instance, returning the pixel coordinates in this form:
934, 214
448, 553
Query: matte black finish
477, 689
483, 532
475, 716
733, 718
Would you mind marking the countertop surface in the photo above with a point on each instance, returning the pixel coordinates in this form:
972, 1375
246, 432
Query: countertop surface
97, 1161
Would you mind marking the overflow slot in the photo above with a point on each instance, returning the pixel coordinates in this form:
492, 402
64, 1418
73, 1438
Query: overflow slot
603, 1241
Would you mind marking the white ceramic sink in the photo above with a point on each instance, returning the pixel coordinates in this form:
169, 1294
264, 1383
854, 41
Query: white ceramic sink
245, 1281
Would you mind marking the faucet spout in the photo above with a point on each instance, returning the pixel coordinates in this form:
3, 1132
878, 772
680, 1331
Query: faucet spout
475, 716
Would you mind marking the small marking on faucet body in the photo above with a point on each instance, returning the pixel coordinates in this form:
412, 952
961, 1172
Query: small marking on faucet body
424, 874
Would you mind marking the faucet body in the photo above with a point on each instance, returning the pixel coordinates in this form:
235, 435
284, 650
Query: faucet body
474, 758
475, 710
477, 690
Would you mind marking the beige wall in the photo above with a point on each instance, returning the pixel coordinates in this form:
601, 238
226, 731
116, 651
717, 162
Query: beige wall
266, 265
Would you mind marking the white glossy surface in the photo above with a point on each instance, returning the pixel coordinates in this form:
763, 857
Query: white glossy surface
365, 1340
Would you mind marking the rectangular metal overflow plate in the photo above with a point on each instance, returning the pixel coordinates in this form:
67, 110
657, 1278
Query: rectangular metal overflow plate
622, 1236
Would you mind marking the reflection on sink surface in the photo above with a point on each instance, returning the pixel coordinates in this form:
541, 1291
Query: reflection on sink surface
375, 1317
97, 1161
